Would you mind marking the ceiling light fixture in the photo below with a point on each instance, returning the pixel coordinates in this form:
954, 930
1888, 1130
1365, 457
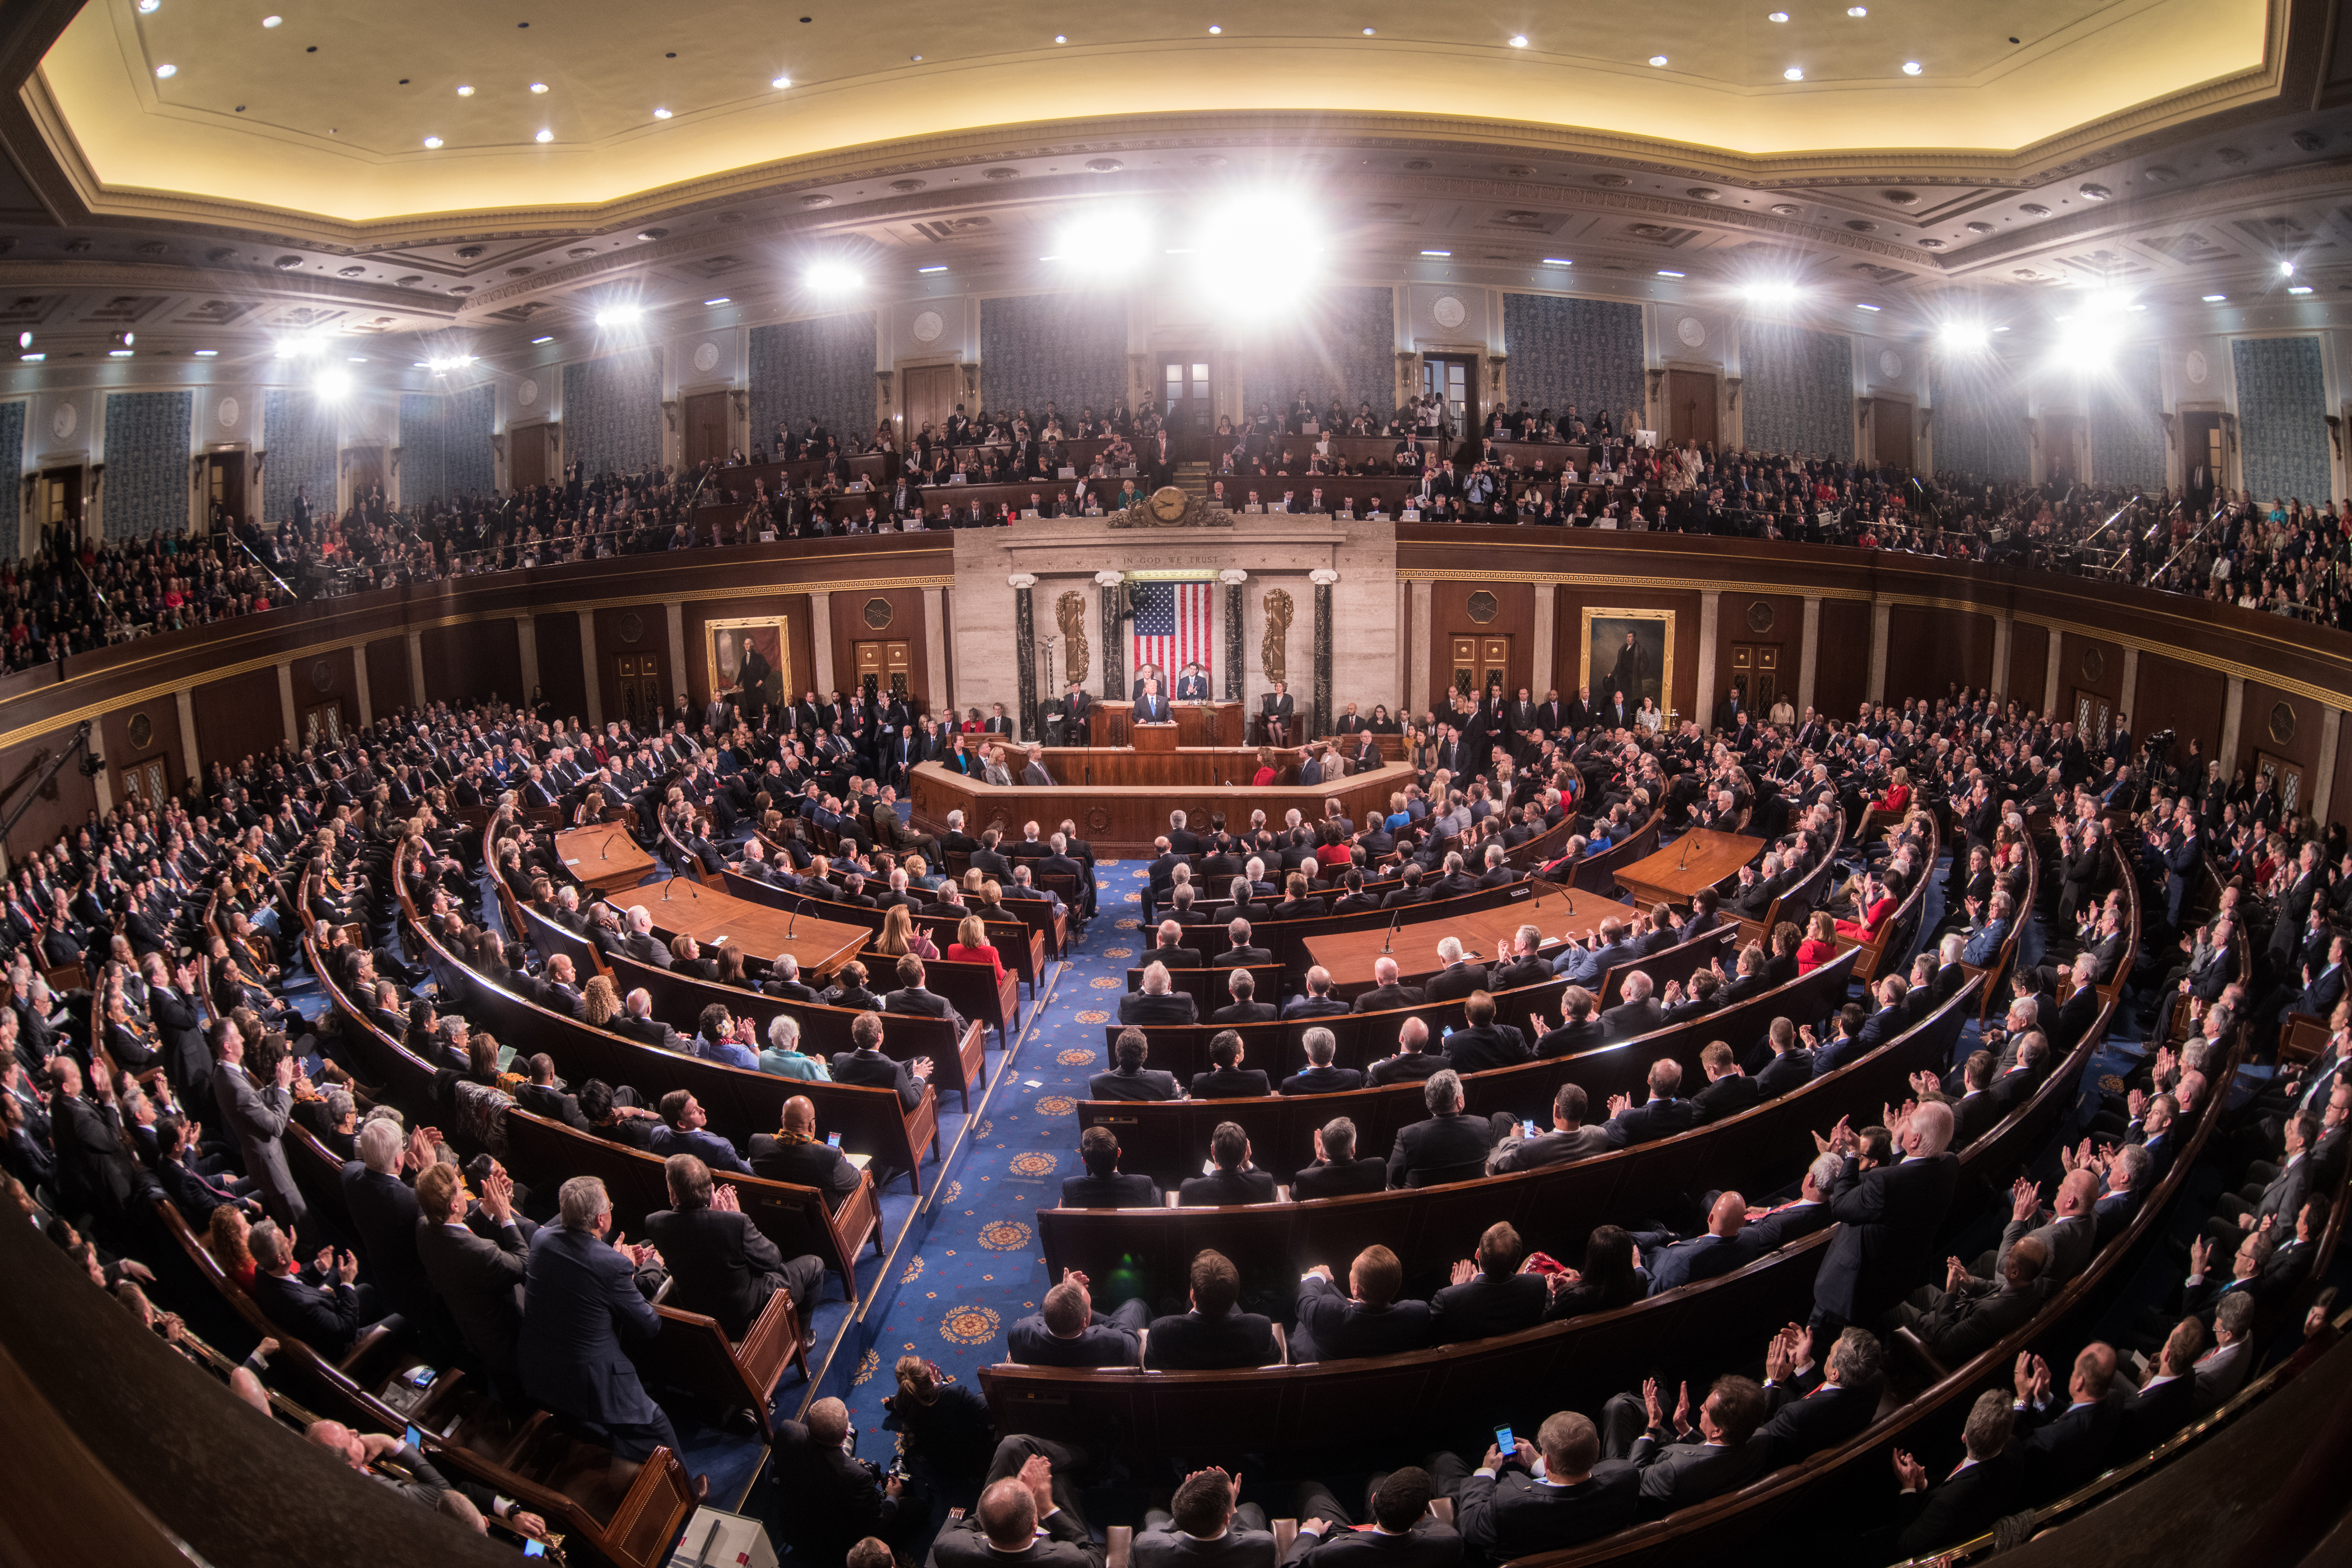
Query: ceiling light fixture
1437, 253
1857, 10
1963, 337
942, 267
722, 300
544, 136
272, 21
832, 276
784, 81
1911, 67
149, 7
1668, 272
1262, 249
1519, 41
1773, 293
539, 86
166, 71
2215, 298
120, 353
1860, 306
464, 92
332, 384
124, 339
1558, 261
1368, 32
620, 315
2286, 268
32, 359
661, 114
1794, 73
207, 353
1215, 29
536, 342
433, 141
1657, 59
1778, 17
23, 340
357, 358
1061, 37
2300, 288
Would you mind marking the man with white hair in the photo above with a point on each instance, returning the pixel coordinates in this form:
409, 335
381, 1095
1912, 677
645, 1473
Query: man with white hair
383, 1214
1386, 992
1891, 1209
784, 980
641, 943
1458, 978
582, 1295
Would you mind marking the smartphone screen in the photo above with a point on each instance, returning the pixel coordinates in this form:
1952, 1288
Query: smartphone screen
832, 1139
534, 1549
1505, 1442
415, 1438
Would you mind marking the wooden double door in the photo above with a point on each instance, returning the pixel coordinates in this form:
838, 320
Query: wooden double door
1756, 676
706, 429
885, 669
638, 695
1481, 660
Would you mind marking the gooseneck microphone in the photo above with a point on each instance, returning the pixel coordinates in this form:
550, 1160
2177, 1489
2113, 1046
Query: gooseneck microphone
1392, 933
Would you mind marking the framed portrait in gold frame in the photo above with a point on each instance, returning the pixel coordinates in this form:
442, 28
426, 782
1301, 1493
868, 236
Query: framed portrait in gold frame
749, 661
1632, 647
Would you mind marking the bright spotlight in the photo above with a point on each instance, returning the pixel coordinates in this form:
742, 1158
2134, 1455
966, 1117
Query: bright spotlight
1963, 338
620, 315
1109, 244
833, 276
334, 386
2088, 336
1259, 253
1779, 293
2286, 268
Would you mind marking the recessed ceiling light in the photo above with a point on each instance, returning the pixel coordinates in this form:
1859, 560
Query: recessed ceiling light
1368, 32
1857, 10
918, 59
1910, 68
166, 71
272, 21
536, 341
149, 7
2286, 268
1778, 17
783, 81
539, 86
661, 114
1061, 37
1437, 253
356, 359
1794, 73
2215, 298
942, 267
121, 353
1664, 272
464, 91
2000, 329
1860, 306
544, 136
32, 359
433, 141
1519, 41
1558, 261
1657, 59
1215, 29
207, 353
2300, 288
721, 301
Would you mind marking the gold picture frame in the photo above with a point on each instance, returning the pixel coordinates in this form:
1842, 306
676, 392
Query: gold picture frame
722, 644
1604, 632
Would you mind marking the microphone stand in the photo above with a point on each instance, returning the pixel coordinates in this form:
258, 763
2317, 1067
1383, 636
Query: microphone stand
1392, 932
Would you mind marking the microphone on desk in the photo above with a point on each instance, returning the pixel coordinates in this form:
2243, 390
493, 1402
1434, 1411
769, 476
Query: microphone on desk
1683, 864
606, 853
1392, 933
791, 923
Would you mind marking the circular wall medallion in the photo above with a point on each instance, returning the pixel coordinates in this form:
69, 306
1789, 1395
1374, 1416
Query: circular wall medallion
1482, 608
143, 731
2196, 366
928, 326
527, 392
2282, 722
631, 627
878, 612
1759, 616
706, 356
2094, 664
1890, 363
1691, 331
65, 421
226, 412
322, 675
1096, 819
1449, 313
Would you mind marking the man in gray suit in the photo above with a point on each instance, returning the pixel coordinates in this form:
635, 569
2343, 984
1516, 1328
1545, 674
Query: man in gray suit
1035, 774
1205, 1529
2070, 1234
257, 1114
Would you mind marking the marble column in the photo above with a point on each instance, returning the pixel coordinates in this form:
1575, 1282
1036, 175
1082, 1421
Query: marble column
2003, 629
1540, 678
2050, 685
416, 670
588, 677
285, 705
2131, 682
1710, 616
1232, 577
191, 757
1114, 647
935, 650
1025, 648
676, 615
360, 686
1322, 577
2323, 787
821, 643
1882, 617
1416, 649
2234, 711
1809, 653
527, 652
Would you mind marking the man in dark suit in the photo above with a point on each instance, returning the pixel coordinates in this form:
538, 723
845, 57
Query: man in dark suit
912, 998
1889, 1212
480, 1279
1986, 1486
867, 1065
1681, 1464
1068, 1331
1449, 1141
1202, 1528
1404, 1533
1215, 1333
828, 1498
1368, 1321
1026, 1517
1489, 1295
1413, 1062
1235, 1180
1239, 953
720, 1263
1245, 1007
1158, 1001
1316, 1001
1640, 1012
2066, 1446
1320, 1077
1703, 1257
1131, 1080
1970, 1315
1482, 1043
1816, 1405
1458, 978
1386, 992
327, 1317
1663, 1115
794, 1153
581, 1295
383, 1216
1337, 1173
94, 1171
1103, 1186
1226, 1077
1505, 1512
1728, 1090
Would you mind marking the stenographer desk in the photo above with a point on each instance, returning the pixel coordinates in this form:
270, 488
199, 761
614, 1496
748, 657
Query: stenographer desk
1120, 799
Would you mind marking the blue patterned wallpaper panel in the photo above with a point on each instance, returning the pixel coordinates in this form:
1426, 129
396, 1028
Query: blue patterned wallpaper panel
612, 413
1068, 349
1796, 389
11, 462
1588, 353
147, 485
1341, 345
824, 366
1979, 431
2127, 403
299, 437
445, 444
2283, 418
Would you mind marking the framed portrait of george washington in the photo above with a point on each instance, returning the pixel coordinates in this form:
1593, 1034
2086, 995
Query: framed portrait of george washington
750, 662
1628, 650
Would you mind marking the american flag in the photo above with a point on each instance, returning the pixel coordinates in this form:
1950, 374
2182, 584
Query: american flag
1173, 622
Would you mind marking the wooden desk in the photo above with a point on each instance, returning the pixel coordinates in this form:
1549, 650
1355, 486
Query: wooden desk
604, 857
714, 919
1152, 740
1699, 859
1122, 799
1197, 724
1348, 955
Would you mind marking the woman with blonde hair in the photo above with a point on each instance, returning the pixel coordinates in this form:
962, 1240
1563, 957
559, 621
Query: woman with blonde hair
901, 936
1820, 941
602, 1001
972, 945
